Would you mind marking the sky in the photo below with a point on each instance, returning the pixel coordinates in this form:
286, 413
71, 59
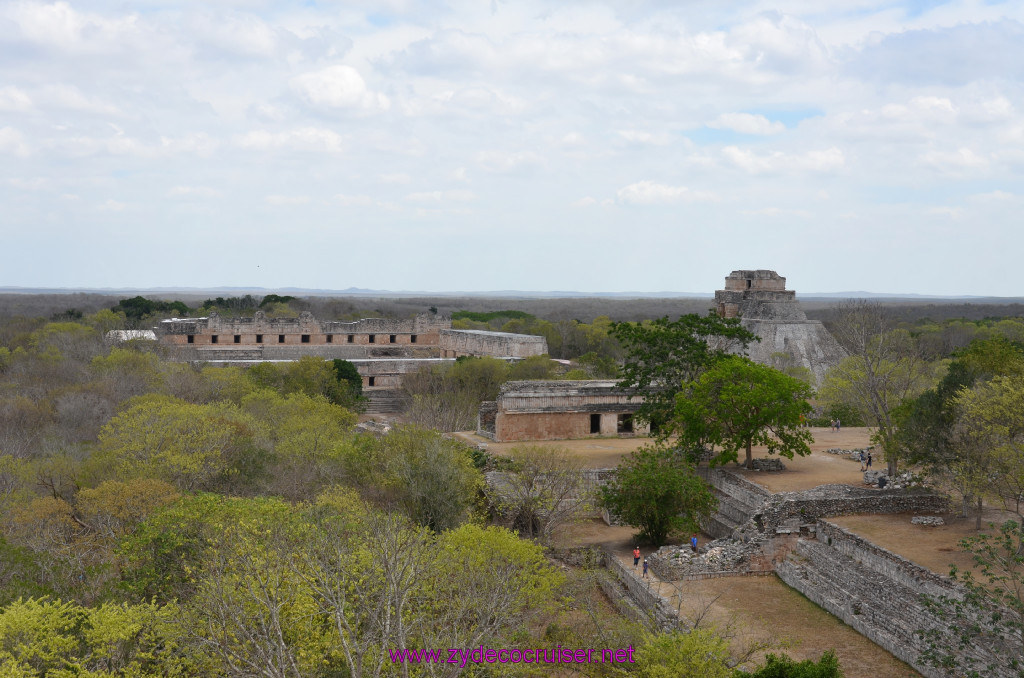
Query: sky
642, 145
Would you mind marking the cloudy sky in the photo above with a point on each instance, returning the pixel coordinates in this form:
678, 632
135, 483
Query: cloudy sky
490, 145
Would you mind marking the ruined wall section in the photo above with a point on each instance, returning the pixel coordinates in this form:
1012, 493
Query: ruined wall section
457, 343
878, 593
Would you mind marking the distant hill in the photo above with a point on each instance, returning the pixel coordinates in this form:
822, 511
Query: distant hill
491, 294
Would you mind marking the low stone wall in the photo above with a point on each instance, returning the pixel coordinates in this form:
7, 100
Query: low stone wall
840, 500
657, 608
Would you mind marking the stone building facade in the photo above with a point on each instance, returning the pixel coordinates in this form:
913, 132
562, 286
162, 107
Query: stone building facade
560, 410
760, 300
306, 330
383, 350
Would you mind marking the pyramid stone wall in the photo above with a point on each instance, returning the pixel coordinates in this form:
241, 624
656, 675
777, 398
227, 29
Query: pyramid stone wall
760, 300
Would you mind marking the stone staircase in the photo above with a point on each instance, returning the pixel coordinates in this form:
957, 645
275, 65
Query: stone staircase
385, 401
217, 354
738, 501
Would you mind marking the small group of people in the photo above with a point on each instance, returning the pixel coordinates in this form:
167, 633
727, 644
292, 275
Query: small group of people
865, 460
636, 554
636, 560
835, 424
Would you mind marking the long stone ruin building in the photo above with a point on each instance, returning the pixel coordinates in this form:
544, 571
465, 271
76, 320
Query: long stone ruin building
765, 307
560, 410
382, 349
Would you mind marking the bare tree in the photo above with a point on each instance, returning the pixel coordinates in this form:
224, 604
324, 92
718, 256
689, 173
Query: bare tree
366, 580
884, 369
545, 489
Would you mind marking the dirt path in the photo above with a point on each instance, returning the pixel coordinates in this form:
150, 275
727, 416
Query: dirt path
801, 473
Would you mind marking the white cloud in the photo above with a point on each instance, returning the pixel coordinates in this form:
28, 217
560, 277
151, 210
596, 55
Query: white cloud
584, 202
193, 191
441, 196
71, 98
111, 205
645, 138
499, 162
338, 86
236, 33
960, 160
746, 123
651, 193
60, 27
994, 196
278, 200
35, 184
12, 141
14, 100
353, 200
828, 160
776, 212
301, 139
573, 140
946, 211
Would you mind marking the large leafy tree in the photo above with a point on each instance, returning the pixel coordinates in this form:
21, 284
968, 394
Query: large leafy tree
989, 435
657, 491
964, 426
737, 404
664, 354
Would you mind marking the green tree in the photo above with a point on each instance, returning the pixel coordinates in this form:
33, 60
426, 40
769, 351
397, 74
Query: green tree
777, 666
190, 446
989, 436
657, 491
347, 373
983, 632
662, 355
56, 638
934, 433
700, 653
737, 404
884, 371
485, 584
430, 476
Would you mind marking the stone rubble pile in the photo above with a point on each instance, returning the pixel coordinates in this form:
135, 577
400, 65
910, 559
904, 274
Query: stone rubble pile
931, 521
375, 428
721, 555
852, 454
768, 464
905, 479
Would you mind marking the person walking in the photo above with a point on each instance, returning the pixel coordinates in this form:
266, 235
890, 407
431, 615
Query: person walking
869, 461
693, 542
862, 460
645, 568
636, 556
839, 425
